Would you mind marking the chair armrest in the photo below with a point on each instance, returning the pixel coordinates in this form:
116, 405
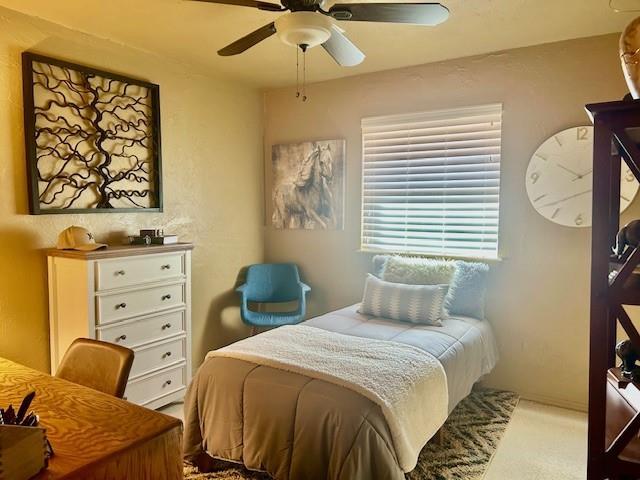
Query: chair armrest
244, 307
302, 301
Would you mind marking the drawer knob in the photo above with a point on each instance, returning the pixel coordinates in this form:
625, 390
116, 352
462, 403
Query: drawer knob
165, 326
166, 297
166, 267
121, 305
168, 354
166, 384
120, 273
121, 337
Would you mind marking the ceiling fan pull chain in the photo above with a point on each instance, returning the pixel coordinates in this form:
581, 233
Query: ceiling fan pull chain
297, 73
304, 75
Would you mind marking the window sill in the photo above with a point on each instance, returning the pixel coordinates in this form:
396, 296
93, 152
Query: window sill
497, 259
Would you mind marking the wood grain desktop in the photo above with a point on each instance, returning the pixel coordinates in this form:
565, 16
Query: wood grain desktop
95, 436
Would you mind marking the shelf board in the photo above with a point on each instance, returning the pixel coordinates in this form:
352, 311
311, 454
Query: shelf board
627, 468
630, 294
623, 382
617, 107
622, 405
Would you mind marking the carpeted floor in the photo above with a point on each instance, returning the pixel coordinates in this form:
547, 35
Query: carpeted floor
472, 434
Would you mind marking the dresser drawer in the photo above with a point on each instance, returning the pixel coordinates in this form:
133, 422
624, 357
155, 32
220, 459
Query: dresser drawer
118, 306
155, 357
146, 330
125, 272
147, 389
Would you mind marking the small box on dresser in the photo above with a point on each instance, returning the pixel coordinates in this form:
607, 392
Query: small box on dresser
137, 296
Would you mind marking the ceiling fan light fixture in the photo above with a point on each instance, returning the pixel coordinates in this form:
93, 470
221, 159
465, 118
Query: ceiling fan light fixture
303, 28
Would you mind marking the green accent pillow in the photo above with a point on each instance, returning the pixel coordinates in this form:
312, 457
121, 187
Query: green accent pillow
418, 271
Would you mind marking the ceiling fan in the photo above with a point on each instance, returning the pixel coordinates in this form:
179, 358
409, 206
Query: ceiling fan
308, 25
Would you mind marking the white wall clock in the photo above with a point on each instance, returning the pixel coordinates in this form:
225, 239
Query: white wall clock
560, 175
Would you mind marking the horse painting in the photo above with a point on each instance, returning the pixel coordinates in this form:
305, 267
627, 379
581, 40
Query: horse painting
306, 197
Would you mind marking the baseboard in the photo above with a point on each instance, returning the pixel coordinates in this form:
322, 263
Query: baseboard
554, 402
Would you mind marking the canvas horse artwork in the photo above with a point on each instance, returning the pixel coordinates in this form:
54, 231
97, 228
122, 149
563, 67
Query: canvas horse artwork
308, 185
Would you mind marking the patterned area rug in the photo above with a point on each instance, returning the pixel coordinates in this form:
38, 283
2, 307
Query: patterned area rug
471, 437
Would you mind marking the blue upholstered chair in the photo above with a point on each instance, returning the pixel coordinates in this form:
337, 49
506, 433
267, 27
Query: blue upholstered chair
272, 283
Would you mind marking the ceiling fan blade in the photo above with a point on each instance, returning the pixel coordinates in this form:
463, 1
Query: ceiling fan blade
248, 41
343, 51
415, 13
270, 7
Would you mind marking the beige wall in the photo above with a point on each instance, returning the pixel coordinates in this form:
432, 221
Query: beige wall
212, 171
538, 299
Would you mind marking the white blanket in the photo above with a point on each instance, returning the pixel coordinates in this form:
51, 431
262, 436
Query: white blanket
408, 384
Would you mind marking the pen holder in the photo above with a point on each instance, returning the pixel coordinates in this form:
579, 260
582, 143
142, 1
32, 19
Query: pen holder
24, 451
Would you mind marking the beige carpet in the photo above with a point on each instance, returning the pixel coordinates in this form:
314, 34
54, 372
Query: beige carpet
542, 443
472, 434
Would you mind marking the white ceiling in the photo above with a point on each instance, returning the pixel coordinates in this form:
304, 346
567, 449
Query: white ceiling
192, 32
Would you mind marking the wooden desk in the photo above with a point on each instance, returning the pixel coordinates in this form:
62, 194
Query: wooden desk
95, 436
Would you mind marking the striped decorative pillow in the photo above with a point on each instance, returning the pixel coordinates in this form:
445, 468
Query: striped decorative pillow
407, 303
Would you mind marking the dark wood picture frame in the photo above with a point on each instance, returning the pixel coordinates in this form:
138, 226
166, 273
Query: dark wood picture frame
31, 146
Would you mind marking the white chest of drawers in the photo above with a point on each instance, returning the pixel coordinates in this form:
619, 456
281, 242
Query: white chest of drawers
136, 296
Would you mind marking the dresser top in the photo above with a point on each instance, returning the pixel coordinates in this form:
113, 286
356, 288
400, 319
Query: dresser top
114, 251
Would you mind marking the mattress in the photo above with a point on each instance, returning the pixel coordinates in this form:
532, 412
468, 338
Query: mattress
465, 346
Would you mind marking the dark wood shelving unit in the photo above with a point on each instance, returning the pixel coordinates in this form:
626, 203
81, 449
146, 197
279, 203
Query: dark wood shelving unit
614, 402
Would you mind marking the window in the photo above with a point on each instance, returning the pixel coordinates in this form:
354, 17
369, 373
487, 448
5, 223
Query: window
431, 182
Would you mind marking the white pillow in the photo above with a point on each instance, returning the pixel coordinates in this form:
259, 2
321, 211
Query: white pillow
407, 303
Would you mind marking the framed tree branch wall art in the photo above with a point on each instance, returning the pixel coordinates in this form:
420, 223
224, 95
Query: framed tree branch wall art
92, 139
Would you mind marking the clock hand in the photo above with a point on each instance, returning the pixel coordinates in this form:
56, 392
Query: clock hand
583, 175
577, 175
564, 199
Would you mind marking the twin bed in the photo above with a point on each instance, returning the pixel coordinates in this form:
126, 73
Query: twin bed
341, 396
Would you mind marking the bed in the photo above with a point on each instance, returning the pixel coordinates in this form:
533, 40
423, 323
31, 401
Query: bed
295, 424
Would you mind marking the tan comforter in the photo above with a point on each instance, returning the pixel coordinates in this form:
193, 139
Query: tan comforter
297, 427
396, 376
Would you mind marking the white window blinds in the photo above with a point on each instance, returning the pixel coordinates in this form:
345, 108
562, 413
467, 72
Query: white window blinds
431, 182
